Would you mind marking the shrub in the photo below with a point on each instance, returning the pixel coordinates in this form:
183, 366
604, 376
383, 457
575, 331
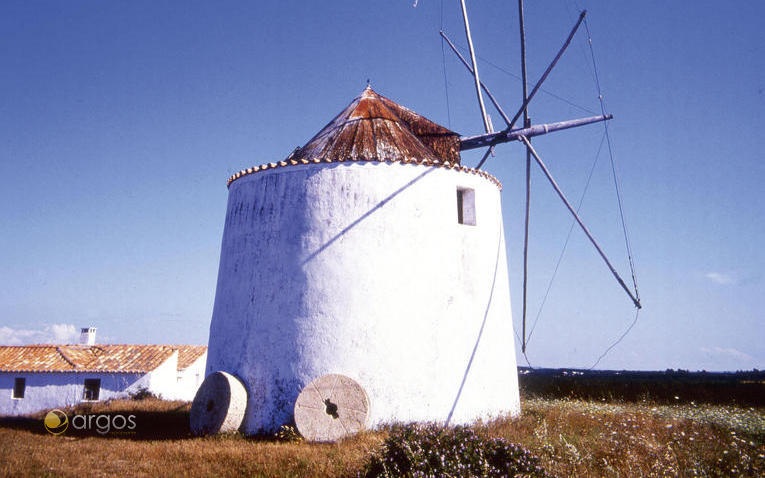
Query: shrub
142, 393
288, 434
433, 450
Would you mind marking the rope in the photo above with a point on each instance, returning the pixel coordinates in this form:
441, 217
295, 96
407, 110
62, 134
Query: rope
518, 337
543, 90
613, 163
443, 60
607, 138
568, 237
634, 321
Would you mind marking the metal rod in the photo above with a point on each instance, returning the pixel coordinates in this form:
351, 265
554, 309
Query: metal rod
526, 124
483, 140
470, 69
579, 220
475, 67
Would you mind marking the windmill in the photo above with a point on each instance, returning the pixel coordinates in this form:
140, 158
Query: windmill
352, 292
490, 139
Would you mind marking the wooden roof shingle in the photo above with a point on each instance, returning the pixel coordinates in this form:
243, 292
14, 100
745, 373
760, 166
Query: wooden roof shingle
374, 128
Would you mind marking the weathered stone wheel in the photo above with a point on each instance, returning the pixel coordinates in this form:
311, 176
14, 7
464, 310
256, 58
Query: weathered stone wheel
219, 405
330, 408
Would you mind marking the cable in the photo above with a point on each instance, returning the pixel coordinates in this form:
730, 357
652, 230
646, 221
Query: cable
607, 138
568, 237
518, 338
613, 163
637, 312
548, 92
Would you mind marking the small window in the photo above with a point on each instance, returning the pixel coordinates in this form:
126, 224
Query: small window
92, 389
19, 387
466, 206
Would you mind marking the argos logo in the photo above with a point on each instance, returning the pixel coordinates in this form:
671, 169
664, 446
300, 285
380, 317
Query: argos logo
56, 422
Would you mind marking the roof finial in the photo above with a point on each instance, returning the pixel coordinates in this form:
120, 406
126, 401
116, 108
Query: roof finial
369, 83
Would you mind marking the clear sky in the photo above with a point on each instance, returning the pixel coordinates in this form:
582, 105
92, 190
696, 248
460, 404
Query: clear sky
120, 122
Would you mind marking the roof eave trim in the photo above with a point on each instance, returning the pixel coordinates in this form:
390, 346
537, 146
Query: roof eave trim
419, 162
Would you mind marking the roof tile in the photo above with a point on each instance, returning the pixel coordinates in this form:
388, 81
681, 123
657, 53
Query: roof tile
94, 358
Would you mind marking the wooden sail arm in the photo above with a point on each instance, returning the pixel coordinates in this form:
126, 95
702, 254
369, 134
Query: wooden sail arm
470, 69
484, 116
483, 140
586, 231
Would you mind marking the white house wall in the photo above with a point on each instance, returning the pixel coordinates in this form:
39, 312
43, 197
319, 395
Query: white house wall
60, 389
190, 379
163, 380
361, 269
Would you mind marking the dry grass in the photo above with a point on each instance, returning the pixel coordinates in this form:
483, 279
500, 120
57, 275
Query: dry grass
162, 446
572, 438
579, 438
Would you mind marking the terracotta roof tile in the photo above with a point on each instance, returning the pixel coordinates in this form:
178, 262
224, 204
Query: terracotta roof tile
94, 358
188, 354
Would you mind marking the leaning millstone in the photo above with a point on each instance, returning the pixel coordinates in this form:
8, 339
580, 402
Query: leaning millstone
330, 408
219, 405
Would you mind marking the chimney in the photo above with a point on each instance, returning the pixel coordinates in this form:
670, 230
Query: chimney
88, 336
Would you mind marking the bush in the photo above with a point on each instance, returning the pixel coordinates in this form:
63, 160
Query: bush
142, 393
433, 450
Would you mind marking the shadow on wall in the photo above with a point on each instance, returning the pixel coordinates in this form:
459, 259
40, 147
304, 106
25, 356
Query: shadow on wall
275, 214
480, 330
366, 215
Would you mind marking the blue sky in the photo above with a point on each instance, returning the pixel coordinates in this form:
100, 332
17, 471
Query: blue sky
120, 122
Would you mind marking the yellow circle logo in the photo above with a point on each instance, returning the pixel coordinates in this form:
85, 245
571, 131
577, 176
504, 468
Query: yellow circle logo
56, 422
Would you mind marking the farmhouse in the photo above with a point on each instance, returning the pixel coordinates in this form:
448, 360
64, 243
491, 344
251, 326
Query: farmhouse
39, 377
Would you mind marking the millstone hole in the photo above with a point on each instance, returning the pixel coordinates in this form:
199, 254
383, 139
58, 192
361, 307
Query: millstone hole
210, 405
331, 409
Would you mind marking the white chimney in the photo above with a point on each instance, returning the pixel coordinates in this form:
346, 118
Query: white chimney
88, 336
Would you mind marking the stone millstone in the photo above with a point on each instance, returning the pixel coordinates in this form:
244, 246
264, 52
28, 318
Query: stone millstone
330, 408
219, 405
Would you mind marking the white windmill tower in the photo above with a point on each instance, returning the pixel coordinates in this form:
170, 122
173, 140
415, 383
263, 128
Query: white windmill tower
363, 280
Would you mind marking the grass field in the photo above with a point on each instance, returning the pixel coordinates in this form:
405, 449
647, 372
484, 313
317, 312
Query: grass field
571, 437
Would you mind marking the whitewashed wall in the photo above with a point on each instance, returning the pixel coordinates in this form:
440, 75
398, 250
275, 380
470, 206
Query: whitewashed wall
189, 379
57, 390
60, 389
362, 269
163, 380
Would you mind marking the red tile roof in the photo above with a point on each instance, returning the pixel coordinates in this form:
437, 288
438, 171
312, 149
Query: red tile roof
188, 354
94, 358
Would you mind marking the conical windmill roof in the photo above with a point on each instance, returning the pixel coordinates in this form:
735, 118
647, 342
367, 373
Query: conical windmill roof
375, 128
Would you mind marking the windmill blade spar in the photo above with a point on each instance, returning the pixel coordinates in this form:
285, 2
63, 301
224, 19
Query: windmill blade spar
482, 140
470, 69
586, 231
527, 100
526, 124
486, 126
